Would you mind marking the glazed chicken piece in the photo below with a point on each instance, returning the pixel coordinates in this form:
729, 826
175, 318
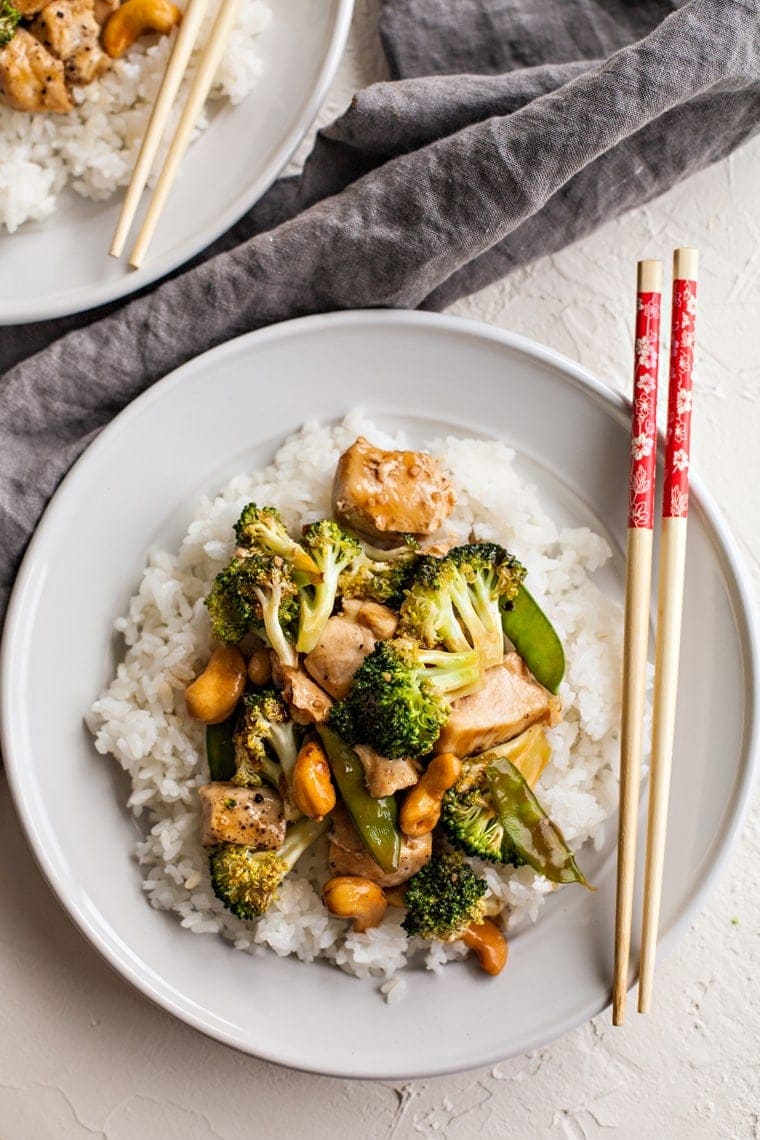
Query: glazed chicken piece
342, 647
384, 493
510, 701
382, 776
30, 78
308, 703
379, 620
349, 856
251, 816
70, 32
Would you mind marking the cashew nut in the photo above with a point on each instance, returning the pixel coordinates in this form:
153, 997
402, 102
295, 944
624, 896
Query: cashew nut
311, 784
136, 18
421, 808
489, 944
260, 667
349, 896
214, 693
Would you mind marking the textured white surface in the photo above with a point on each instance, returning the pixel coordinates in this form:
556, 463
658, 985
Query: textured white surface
81, 1055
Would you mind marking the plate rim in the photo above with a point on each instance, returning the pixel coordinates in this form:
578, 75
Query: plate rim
728, 551
92, 296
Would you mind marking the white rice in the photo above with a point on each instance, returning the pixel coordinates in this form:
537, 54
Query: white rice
141, 719
93, 148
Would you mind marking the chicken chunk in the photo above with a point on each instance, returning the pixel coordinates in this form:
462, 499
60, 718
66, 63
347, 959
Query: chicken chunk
349, 856
382, 776
31, 79
511, 701
251, 816
337, 655
70, 32
378, 619
308, 703
383, 493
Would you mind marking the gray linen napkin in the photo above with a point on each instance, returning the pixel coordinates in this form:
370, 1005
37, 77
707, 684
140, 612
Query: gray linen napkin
515, 126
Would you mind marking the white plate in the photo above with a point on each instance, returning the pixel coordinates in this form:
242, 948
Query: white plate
136, 487
62, 265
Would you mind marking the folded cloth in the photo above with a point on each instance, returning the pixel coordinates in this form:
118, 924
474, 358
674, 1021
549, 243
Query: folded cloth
514, 127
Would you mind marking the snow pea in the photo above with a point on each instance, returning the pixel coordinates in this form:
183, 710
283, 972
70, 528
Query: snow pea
374, 819
535, 838
220, 749
535, 639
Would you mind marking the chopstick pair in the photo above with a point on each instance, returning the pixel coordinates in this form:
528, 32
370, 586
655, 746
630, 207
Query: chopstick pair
675, 505
176, 67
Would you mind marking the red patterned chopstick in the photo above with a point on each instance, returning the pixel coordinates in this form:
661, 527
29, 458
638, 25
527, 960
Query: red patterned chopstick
637, 594
675, 499
675, 506
645, 381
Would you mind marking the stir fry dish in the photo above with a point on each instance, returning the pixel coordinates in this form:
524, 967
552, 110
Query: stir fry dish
50, 47
373, 685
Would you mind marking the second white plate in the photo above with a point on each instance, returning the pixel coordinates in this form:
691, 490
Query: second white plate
62, 265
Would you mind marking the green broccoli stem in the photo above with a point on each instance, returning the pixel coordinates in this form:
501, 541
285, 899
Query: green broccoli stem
282, 739
333, 552
463, 604
486, 603
450, 633
299, 837
271, 771
451, 672
270, 608
317, 604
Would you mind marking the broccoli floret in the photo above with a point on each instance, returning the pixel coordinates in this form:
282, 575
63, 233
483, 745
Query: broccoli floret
399, 698
269, 587
9, 18
231, 616
247, 880
487, 576
256, 592
332, 551
428, 610
456, 599
443, 899
470, 818
264, 722
380, 579
262, 528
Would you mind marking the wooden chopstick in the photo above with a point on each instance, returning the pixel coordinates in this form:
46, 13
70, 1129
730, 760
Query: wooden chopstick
675, 506
638, 586
201, 85
175, 70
